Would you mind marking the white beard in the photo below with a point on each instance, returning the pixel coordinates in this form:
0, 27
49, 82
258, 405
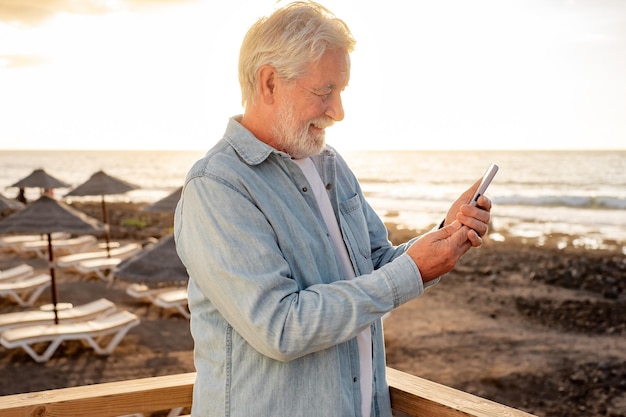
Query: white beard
298, 141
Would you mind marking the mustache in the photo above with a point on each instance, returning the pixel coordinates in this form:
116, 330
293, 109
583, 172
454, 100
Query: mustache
322, 122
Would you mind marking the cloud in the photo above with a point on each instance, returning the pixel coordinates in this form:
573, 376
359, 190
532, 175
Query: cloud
21, 61
34, 12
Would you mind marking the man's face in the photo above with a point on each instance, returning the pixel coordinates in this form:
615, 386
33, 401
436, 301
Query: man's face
310, 104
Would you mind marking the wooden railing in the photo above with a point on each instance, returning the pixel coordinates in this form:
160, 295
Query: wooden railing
410, 395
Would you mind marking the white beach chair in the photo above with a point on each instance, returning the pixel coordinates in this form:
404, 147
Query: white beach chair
70, 261
15, 242
26, 291
145, 293
83, 312
71, 245
16, 273
100, 267
92, 333
173, 299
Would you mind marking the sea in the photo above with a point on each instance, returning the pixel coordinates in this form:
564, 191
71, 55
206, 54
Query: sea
578, 195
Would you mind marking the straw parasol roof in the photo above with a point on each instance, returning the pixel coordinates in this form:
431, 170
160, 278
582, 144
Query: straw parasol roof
166, 204
103, 184
40, 179
9, 204
47, 215
155, 266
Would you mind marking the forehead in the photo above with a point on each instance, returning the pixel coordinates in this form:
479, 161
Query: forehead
332, 69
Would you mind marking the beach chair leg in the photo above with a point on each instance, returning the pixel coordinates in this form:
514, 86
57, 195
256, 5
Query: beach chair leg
105, 275
182, 309
15, 296
175, 412
108, 348
35, 294
26, 300
110, 278
100, 275
46, 354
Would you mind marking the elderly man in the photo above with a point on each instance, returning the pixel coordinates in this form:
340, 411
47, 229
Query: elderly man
290, 268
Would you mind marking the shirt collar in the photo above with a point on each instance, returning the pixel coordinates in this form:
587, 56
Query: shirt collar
248, 147
251, 149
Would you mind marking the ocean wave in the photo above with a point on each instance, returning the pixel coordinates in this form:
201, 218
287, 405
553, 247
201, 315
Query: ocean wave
586, 202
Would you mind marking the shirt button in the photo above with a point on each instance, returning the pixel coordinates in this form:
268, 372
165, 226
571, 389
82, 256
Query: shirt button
304, 189
329, 186
354, 379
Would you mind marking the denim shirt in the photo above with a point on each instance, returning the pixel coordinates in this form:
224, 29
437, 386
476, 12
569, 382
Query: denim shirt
273, 319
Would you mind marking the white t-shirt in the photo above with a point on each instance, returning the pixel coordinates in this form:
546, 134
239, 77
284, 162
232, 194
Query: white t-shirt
364, 339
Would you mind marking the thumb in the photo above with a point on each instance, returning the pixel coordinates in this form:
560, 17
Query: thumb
450, 229
457, 235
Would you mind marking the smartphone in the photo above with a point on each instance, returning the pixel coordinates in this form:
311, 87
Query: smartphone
484, 183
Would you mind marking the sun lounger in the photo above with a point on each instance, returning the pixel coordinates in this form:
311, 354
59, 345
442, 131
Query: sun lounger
102, 268
15, 242
83, 312
16, 273
173, 299
103, 245
145, 293
71, 245
26, 291
70, 261
92, 333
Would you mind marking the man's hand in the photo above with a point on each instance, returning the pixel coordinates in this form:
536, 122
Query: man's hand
476, 218
437, 252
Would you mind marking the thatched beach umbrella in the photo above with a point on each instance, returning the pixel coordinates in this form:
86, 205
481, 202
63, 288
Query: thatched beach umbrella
9, 204
158, 265
166, 204
40, 179
155, 266
47, 216
103, 184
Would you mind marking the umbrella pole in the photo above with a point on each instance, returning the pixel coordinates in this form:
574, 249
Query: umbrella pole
53, 285
105, 220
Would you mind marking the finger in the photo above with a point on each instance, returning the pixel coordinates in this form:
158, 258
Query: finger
479, 225
474, 238
459, 239
450, 229
484, 203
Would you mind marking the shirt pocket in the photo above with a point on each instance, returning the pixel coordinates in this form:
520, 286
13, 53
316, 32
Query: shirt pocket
354, 227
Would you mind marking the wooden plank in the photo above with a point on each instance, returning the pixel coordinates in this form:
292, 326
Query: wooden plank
411, 395
419, 397
104, 400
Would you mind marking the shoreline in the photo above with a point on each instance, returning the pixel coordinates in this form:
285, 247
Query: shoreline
127, 220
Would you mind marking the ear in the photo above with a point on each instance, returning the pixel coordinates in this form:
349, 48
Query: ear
267, 86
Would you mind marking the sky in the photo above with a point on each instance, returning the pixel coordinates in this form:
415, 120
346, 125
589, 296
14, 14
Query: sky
446, 74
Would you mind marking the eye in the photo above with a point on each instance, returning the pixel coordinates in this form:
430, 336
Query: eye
323, 92
323, 96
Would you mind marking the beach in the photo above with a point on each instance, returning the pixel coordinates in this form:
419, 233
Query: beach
518, 321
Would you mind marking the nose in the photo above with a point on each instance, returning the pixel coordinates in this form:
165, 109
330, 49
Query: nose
335, 107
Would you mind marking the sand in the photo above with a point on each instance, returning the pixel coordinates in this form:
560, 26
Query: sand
536, 328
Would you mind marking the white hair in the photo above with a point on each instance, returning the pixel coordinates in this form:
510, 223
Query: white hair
289, 39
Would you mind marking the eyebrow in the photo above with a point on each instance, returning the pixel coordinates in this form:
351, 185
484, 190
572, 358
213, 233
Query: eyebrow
325, 89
